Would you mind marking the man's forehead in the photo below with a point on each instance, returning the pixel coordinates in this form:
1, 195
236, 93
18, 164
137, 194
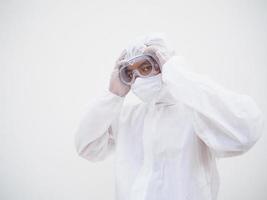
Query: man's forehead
137, 64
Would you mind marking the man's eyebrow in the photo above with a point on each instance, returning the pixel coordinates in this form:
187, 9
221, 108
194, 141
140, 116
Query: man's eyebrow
144, 62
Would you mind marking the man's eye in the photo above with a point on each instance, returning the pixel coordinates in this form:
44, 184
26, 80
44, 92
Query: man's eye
146, 68
129, 73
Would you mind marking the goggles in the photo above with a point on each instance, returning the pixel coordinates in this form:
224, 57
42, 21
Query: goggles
147, 68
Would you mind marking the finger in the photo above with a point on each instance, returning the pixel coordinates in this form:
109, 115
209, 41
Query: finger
119, 64
122, 55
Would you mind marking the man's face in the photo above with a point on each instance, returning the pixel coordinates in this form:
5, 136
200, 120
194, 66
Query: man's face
143, 67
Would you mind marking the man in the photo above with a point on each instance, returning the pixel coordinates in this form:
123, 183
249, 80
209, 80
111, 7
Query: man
166, 147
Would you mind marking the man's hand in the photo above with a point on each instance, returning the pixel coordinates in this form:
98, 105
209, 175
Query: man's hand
115, 85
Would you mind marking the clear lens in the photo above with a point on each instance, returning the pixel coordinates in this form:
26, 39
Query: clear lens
145, 69
126, 74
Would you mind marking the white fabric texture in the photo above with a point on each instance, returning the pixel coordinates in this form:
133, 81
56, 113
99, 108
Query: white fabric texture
147, 88
166, 149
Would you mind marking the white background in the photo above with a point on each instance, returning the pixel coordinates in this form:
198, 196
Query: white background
57, 55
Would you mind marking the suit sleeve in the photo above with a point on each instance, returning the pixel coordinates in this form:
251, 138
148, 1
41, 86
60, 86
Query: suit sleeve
227, 122
95, 137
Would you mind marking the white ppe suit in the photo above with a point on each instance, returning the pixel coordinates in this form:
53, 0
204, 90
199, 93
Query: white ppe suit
166, 149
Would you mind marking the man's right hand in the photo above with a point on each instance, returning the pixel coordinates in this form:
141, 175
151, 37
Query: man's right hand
115, 85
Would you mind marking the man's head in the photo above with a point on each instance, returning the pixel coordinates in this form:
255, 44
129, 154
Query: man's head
154, 44
140, 64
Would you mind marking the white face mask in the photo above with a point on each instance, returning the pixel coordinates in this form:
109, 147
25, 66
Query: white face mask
147, 88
